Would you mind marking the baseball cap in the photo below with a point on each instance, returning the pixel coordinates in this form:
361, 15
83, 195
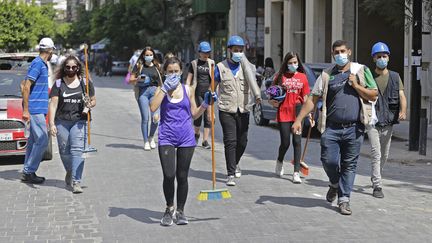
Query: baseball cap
46, 43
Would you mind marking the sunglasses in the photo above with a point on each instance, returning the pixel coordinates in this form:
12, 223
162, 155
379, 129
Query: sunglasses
73, 68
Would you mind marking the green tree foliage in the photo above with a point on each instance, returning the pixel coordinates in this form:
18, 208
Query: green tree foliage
22, 25
133, 24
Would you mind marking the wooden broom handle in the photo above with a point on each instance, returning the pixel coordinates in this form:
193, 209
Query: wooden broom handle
87, 90
212, 128
307, 138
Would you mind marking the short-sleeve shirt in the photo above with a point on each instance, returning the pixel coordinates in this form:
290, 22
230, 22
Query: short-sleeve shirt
150, 72
343, 103
70, 101
38, 99
382, 81
235, 67
296, 86
203, 76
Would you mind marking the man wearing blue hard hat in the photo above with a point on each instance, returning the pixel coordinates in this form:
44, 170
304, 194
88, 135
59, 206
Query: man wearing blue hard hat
236, 78
390, 108
199, 78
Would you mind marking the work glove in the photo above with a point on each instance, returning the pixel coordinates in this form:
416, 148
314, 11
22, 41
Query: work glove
209, 98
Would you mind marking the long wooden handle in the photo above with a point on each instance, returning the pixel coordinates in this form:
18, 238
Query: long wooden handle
212, 128
87, 90
307, 139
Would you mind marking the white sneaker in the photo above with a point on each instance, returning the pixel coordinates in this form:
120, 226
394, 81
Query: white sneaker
279, 170
230, 181
237, 172
152, 143
147, 146
296, 178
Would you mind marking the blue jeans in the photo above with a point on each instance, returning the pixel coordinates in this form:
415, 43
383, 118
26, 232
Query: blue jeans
70, 139
146, 95
37, 143
340, 150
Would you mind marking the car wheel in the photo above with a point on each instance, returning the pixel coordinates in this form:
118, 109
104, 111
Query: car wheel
259, 116
48, 155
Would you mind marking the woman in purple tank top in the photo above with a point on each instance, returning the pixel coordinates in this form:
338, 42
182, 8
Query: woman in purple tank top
176, 136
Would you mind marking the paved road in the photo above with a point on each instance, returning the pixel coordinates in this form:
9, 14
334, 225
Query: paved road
123, 198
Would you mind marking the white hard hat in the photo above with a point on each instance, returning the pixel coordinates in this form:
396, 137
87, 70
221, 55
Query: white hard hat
46, 43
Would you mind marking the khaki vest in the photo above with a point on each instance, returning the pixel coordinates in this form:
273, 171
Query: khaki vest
365, 108
194, 64
233, 91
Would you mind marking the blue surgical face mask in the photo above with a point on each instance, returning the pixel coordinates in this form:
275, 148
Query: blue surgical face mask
148, 58
341, 59
174, 76
381, 63
292, 68
237, 56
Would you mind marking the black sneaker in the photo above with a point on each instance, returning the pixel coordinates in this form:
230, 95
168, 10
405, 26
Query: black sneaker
181, 218
344, 208
206, 145
331, 194
168, 217
378, 193
32, 178
197, 137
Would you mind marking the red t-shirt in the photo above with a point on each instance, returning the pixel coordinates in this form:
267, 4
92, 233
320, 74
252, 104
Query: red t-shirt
296, 86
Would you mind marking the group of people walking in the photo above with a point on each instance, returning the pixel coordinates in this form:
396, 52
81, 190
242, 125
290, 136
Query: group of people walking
355, 100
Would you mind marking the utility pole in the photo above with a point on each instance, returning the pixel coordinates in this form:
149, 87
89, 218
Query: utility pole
415, 99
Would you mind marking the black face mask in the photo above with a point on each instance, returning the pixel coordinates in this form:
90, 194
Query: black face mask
71, 73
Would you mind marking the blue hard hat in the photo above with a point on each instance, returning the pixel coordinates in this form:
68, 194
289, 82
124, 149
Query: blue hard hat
235, 40
380, 47
204, 47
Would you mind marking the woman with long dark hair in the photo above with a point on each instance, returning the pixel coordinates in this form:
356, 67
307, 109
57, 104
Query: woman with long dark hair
146, 78
176, 136
68, 111
291, 77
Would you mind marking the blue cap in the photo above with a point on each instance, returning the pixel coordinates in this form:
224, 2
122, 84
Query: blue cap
204, 47
235, 40
380, 47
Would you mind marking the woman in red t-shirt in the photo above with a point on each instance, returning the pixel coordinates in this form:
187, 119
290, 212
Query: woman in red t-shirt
291, 77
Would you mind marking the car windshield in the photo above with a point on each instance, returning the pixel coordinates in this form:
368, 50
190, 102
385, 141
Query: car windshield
13, 70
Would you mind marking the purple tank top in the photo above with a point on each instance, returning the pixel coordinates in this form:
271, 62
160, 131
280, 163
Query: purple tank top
175, 127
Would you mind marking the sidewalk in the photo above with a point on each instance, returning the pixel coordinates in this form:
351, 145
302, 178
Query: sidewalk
399, 146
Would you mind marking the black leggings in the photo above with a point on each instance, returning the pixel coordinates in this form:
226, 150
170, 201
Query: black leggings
285, 134
172, 170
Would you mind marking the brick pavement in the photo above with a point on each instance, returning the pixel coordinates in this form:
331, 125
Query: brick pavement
123, 200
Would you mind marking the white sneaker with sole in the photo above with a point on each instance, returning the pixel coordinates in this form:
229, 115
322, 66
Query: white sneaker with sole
279, 170
237, 172
152, 143
230, 181
147, 146
296, 178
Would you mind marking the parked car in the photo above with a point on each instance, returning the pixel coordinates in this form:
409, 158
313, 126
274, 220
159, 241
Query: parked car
264, 113
120, 67
13, 69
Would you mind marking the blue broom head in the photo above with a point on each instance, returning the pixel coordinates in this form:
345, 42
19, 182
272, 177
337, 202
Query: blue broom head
214, 195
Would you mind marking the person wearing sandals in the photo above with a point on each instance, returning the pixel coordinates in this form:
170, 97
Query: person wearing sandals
68, 110
145, 76
292, 79
176, 136
199, 78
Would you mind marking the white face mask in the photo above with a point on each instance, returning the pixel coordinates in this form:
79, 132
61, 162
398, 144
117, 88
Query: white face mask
237, 56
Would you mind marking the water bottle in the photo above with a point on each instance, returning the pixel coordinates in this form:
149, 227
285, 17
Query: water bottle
27, 129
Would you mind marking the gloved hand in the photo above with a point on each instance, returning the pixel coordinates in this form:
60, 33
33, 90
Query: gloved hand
171, 82
209, 98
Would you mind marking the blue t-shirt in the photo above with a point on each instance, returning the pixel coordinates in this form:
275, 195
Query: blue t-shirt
235, 67
38, 99
343, 104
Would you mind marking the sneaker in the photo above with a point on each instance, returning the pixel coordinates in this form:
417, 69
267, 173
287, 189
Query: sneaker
68, 178
279, 170
296, 178
230, 181
181, 218
147, 146
206, 145
76, 188
32, 178
378, 193
331, 194
344, 208
238, 172
168, 217
197, 136
152, 144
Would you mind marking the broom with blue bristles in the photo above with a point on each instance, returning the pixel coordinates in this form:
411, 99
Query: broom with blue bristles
214, 194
